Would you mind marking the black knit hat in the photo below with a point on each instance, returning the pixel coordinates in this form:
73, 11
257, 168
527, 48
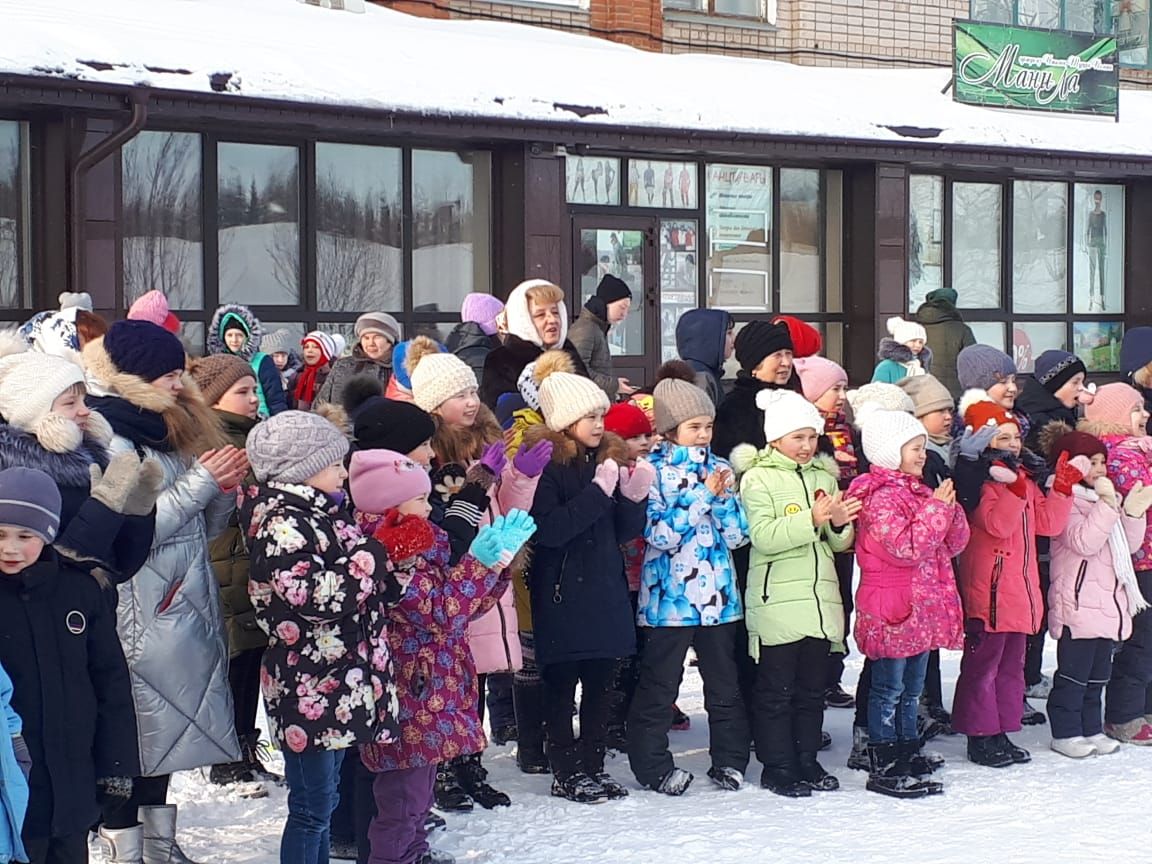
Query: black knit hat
612, 288
30, 499
757, 339
1053, 369
386, 424
143, 349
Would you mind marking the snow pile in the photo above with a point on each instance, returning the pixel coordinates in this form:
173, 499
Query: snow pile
1052, 810
385, 60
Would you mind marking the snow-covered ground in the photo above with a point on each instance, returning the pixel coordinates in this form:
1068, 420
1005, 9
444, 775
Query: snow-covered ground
1052, 810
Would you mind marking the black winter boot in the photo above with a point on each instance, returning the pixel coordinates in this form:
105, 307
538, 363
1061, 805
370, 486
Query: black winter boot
473, 776
252, 748
813, 773
918, 766
450, 795
1019, 755
528, 701
786, 781
579, 787
986, 750
888, 776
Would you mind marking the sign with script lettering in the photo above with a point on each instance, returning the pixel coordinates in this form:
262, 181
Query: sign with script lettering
1035, 70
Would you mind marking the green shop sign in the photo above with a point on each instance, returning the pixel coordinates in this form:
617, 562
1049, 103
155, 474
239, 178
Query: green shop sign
1035, 70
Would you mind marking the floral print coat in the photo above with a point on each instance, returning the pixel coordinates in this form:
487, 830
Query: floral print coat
435, 671
321, 590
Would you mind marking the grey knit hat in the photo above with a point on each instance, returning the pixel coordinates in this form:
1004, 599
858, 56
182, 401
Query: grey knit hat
292, 446
30, 499
981, 367
927, 393
282, 340
675, 401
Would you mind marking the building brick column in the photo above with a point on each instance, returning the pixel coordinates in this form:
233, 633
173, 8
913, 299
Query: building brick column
639, 23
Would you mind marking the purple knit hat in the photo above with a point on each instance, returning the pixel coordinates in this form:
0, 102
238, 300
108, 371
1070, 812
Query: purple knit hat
481, 309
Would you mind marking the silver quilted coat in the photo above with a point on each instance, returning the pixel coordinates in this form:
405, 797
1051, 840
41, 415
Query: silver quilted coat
170, 624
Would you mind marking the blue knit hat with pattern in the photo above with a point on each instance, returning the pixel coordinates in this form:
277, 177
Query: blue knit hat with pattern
143, 349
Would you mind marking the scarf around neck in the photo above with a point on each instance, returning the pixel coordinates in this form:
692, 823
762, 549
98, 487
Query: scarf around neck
138, 425
1121, 554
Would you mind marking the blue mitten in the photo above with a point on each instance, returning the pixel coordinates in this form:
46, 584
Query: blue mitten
487, 548
519, 526
497, 543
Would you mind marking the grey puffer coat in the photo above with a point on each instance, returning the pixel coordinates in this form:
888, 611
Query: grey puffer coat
589, 334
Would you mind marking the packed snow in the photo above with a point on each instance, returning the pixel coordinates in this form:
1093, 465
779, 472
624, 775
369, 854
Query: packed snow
389, 61
1054, 809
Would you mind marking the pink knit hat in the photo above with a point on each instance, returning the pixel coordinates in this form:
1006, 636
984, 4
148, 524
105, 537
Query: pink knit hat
818, 375
153, 306
382, 479
481, 309
1114, 403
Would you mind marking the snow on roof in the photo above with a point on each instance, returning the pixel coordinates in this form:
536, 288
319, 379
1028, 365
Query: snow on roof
282, 49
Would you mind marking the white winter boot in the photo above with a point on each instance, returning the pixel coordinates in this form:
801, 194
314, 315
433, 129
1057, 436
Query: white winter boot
122, 845
1104, 745
1077, 747
160, 846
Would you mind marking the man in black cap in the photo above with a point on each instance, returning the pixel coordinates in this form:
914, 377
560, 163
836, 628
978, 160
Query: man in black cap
589, 333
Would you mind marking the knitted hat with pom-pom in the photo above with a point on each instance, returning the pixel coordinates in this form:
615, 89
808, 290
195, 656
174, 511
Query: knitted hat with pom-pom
884, 434
677, 397
30, 382
566, 398
785, 411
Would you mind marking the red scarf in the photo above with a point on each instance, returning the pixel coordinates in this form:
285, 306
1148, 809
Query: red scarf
839, 434
306, 381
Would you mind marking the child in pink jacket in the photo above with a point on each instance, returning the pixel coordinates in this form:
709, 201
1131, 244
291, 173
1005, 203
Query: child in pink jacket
1093, 594
1117, 417
1000, 587
906, 605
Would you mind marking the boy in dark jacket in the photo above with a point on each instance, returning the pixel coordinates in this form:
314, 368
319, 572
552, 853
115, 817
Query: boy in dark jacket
70, 681
705, 338
586, 506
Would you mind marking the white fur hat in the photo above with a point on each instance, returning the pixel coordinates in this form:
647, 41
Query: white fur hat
785, 411
518, 318
30, 381
905, 331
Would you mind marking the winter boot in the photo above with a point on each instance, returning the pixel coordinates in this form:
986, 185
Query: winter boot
579, 787
613, 787
252, 748
1104, 745
1019, 755
681, 722
434, 822
939, 713
726, 777
122, 845
342, 850
674, 783
1076, 747
915, 764
835, 697
1029, 716
449, 795
922, 764
1137, 731
528, 702
159, 833
784, 781
858, 758
501, 735
1040, 689
435, 856
813, 773
887, 776
986, 750
825, 741
473, 776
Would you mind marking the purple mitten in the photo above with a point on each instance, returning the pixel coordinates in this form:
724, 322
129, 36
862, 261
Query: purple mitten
493, 458
530, 461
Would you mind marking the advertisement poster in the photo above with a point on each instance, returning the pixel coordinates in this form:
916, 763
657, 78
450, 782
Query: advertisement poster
1035, 70
1097, 343
669, 185
739, 236
1098, 249
592, 180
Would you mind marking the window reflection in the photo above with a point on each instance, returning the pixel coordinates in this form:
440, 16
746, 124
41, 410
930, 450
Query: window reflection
258, 222
451, 212
799, 240
13, 218
359, 254
976, 214
162, 245
1039, 247
925, 237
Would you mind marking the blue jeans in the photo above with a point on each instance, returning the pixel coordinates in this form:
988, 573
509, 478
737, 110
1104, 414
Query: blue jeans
895, 698
313, 792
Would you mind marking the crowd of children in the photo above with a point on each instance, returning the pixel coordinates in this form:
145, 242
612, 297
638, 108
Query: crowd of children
181, 538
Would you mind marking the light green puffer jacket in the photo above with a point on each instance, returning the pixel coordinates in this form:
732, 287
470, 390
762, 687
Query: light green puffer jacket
792, 589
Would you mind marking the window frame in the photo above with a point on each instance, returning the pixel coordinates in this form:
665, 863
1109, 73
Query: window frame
25, 223
766, 15
1004, 314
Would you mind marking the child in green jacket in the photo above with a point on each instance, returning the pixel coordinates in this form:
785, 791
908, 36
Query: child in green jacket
797, 520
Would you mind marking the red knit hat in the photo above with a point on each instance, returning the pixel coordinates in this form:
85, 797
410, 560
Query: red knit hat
984, 412
627, 421
806, 339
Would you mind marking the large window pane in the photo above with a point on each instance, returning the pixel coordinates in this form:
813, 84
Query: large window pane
739, 201
620, 253
1039, 13
925, 237
1039, 247
746, 8
976, 214
1030, 339
1130, 20
162, 244
799, 240
14, 291
1089, 16
451, 207
258, 217
359, 254
992, 10
1098, 251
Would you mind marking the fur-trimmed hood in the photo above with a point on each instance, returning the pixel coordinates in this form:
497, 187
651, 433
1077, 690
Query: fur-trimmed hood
1100, 428
192, 426
70, 468
462, 445
251, 324
567, 451
898, 352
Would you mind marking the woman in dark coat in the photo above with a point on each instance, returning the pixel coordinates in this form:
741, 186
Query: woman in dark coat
948, 335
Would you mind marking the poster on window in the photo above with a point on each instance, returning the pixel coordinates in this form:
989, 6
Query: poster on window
618, 253
1097, 343
667, 185
1098, 244
1130, 24
592, 180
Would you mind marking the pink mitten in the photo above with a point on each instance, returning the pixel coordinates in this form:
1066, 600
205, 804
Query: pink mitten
635, 486
607, 476
1001, 473
1082, 464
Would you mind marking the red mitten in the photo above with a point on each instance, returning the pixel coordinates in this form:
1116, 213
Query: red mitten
1066, 476
405, 536
1019, 486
